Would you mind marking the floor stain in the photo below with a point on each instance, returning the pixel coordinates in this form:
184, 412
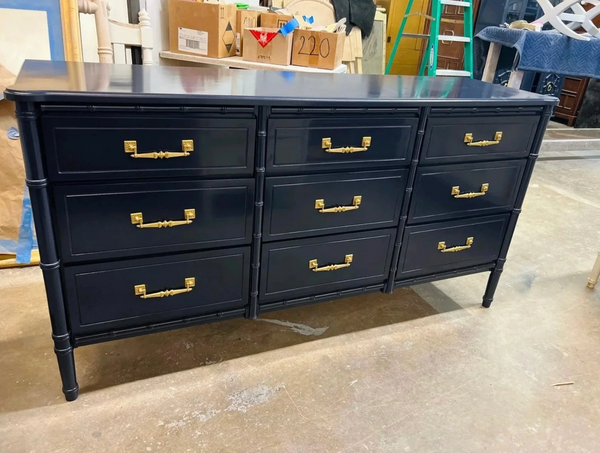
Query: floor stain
242, 400
302, 329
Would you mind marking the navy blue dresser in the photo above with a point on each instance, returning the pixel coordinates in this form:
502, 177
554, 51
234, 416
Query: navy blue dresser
166, 197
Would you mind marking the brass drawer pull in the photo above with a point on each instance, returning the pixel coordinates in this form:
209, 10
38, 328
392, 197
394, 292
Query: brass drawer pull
456, 192
459, 248
320, 205
469, 140
140, 290
314, 265
327, 146
138, 219
187, 146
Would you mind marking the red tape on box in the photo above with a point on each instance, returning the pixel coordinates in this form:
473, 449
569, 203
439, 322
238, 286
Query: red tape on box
263, 37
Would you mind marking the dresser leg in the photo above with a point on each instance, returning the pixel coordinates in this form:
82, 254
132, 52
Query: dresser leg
595, 274
488, 297
27, 114
66, 366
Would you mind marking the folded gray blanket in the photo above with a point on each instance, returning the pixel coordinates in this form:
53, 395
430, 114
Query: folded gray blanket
548, 51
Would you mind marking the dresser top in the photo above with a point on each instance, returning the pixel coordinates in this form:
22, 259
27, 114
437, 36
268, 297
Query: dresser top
59, 81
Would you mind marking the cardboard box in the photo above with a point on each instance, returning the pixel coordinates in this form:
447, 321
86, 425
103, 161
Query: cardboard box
317, 49
245, 19
277, 51
273, 20
206, 29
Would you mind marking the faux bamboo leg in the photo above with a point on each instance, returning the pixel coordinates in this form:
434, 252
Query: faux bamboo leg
595, 274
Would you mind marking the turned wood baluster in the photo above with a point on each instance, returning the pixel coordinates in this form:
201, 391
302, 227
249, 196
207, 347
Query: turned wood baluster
100, 10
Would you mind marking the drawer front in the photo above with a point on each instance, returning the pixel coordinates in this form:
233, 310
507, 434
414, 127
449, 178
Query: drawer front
311, 145
447, 140
453, 191
116, 220
114, 147
124, 294
299, 268
299, 206
431, 248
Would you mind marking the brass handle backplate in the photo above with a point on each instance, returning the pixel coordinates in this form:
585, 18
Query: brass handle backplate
187, 146
137, 219
320, 205
456, 192
469, 140
327, 146
140, 290
314, 265
459, 248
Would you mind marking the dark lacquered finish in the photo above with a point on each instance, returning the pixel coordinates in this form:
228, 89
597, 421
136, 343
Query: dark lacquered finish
252, 309
102, 296
290, 203
421, 254
221, 146
68, 82
434, 198
286, 272
258, 157
296, 145
95, 220
445, 138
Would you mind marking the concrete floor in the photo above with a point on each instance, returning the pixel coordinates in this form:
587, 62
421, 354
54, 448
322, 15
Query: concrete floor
424, 370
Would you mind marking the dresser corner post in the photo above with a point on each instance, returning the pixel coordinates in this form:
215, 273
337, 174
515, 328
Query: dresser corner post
514, 216
27, 116
492, 284
259, 201
410, 182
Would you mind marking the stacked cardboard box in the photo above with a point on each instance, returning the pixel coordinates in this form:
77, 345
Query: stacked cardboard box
221, 30
267, 45
245, 19
206, 29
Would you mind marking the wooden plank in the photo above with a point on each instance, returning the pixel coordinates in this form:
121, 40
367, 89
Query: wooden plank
491, 62
516, 77
238, 62
374, 47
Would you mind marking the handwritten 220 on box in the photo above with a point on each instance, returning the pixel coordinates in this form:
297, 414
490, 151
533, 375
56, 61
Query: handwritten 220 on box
317, 49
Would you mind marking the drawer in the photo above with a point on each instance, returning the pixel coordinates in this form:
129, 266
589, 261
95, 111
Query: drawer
312, 145
431, 248
118, 220
300, 268
127, 293
80, 147
297, 206
448, 139
452, 191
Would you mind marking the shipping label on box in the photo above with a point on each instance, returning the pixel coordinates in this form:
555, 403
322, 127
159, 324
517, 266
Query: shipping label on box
267, 45
194, 41
317, 49
206, 29
245, 19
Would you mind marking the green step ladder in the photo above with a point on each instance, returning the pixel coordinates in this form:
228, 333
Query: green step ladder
430, 58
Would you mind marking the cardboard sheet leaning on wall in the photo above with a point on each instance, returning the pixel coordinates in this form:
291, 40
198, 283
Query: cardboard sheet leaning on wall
16, 223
